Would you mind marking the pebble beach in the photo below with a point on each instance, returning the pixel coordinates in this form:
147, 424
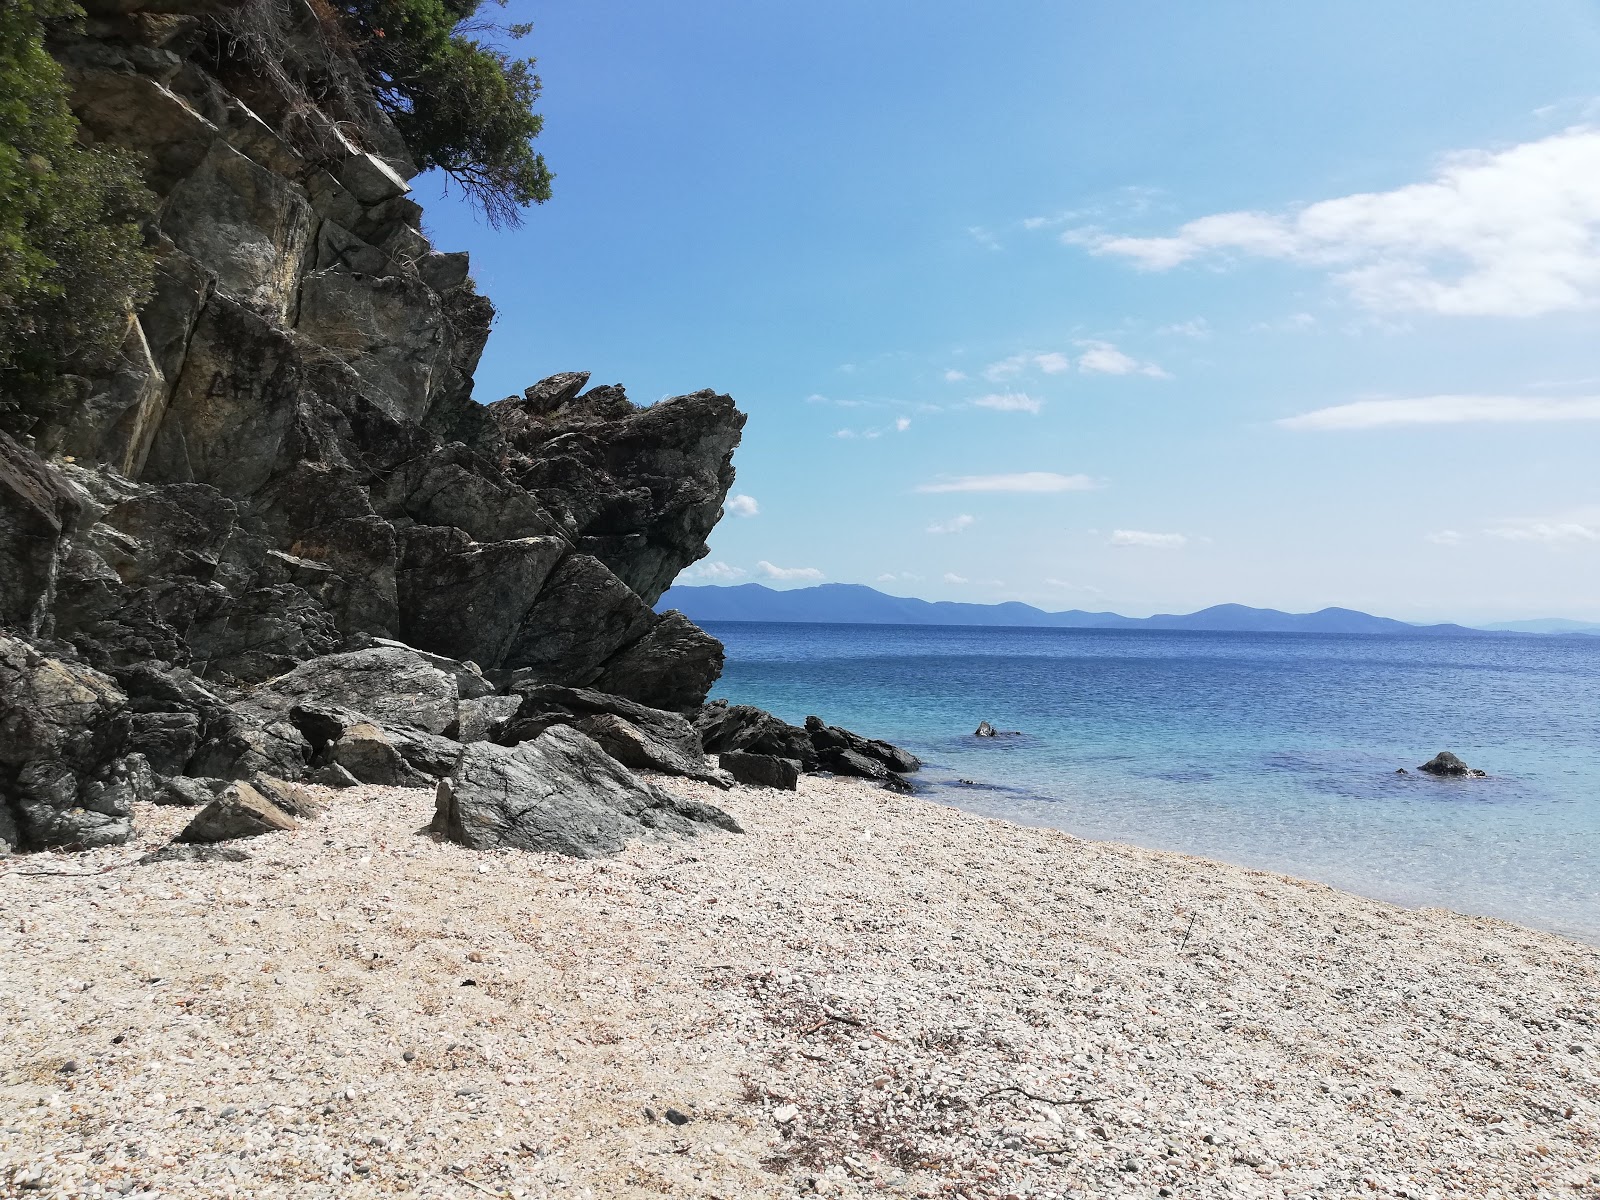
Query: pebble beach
863, 994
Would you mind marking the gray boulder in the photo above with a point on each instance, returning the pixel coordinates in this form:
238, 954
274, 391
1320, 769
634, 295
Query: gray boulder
852, 762
240, 812
761, 770
633, 734
389, 683
63, 728
673, 666
560, 792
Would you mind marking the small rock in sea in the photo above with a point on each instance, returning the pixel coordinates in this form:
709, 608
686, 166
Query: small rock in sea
968, 782
1446, 764
984, 729
676, 1117
1401, 771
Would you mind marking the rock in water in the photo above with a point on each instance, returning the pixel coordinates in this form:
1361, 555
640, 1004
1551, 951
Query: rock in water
984, 729
1446, 764
559, 792
761, 770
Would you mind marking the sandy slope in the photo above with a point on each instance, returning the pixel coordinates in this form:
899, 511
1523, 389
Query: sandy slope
858, 996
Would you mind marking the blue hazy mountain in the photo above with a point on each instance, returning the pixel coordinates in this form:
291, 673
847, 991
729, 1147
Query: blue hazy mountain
1546, 625
857, 604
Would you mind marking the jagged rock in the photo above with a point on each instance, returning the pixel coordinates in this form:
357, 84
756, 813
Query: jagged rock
391, 684
560, 792
1446, 764
332, 775
584, 615
242, 743
552, 393
761, 770
633, 734
638, 488
240, 812
186, 792
853, 762
372, 756
168, 740
62, 731
36, 504
672, 666
723, 727
483, 720
291, 798
827, 738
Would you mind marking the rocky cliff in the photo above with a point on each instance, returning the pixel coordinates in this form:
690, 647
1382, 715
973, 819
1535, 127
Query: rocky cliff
286, 460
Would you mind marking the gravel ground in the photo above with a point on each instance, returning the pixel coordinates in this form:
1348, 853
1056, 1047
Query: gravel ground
865, 994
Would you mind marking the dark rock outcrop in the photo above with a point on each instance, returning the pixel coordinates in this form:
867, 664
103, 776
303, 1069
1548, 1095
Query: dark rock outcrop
723, 727
633, 734
1447, 765
761, 770
559, 792
853, 762
830, 740
284, 468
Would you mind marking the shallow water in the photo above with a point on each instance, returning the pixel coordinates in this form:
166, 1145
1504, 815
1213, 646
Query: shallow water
1268, 750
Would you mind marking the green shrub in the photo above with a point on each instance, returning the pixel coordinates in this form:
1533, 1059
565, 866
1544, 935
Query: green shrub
72, 258
462, 106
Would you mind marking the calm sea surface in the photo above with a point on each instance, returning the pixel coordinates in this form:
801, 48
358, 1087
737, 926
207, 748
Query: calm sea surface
1269, 750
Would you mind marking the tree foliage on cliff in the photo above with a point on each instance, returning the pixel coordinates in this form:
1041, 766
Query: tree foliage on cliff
72, 257
461, 105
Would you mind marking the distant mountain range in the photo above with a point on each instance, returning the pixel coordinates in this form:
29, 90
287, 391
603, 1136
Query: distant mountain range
857, 604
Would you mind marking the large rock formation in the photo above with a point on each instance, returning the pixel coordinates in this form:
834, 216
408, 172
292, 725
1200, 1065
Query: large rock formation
286, 462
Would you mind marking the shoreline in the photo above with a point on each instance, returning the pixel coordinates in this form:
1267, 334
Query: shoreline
880, 994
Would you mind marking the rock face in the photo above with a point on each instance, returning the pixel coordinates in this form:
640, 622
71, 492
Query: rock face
559, 792
284, 471
761, 770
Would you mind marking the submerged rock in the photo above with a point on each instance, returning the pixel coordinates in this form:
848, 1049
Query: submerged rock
1446, 764
559, 792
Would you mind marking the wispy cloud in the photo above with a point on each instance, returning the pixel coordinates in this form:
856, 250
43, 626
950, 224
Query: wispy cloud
720, 571
1009, 402
984, 237
899, 577
1066, 586
1446, 537
1103, 358
1198, 328
901, 424
1548, 533
952, 577
1053, 363
952, 375
742, 506
789, 574
1022, 481
954, 525
1445, 410
1147, 541
1511, 233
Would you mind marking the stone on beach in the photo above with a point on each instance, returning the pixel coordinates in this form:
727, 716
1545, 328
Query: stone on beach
761, 770
240, 812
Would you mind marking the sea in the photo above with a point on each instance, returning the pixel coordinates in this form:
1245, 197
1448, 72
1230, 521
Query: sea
1273, 751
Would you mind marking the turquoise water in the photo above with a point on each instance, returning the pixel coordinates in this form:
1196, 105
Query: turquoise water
1273, 750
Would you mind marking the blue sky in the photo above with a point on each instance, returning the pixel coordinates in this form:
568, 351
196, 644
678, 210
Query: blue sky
1099, 305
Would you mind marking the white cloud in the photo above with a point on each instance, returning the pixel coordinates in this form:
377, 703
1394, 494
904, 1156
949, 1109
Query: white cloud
1065, 586
1052, 363
719, 571
1022, 481
1009, 402
952, 577
1512, 233
1446, 537
1006, 368
1445, 410
1198, 328
1102, 358
788, 573
1549, 533
983, 237
1148, 541
901, 424
742, 506
888, 577
954, 376
954, 524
